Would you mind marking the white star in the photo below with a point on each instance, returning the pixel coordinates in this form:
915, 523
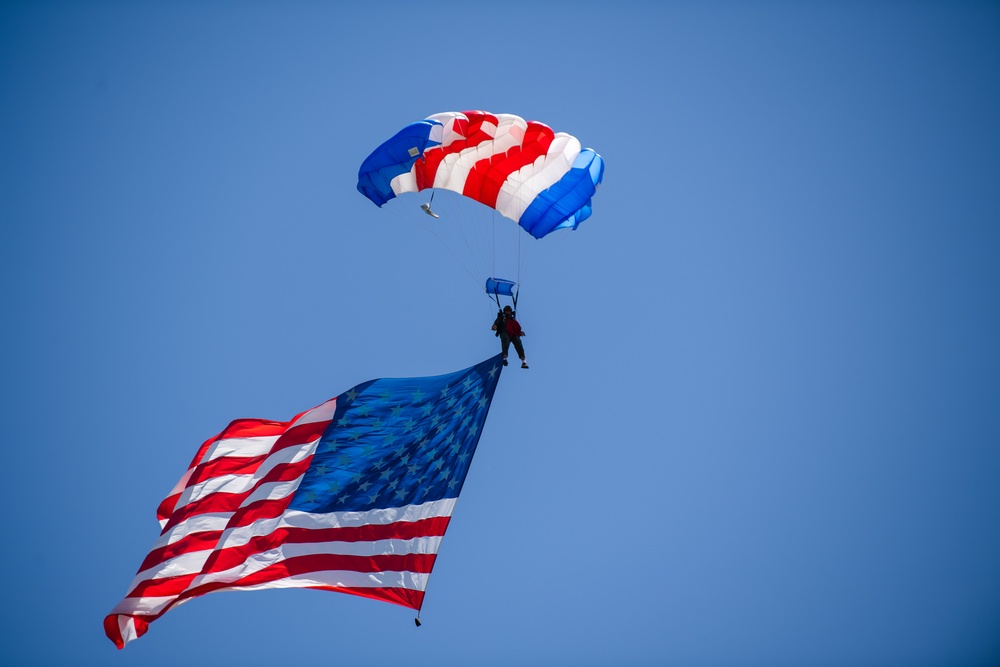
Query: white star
351, 395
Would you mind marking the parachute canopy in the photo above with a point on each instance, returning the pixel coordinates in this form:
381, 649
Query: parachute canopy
540, 179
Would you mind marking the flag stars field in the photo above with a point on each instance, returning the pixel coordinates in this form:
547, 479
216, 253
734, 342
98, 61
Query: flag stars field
427, 438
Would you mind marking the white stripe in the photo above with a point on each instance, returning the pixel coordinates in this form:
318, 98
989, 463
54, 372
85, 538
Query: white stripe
126, 628
149, 606
436, 508
272, 491
321, 413
243, 483
199, 523
521, 187
180, 485
262, 560
146, 605
392, 547
416, 581
243, 447
237, 537
190, 563
193, 562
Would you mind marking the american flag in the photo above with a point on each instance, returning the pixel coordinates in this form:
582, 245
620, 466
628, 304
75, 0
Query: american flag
352, 496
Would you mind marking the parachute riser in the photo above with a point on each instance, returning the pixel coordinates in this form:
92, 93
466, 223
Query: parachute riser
500, 286
496, 297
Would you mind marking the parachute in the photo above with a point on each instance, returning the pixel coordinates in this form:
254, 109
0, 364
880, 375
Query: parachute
515, 169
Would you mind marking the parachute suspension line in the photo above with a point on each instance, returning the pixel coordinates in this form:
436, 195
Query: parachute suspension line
423, 223
518, 263
496, 297
493, 244
458, 260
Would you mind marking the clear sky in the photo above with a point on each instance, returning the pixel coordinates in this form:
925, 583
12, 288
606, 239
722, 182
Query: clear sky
762, 422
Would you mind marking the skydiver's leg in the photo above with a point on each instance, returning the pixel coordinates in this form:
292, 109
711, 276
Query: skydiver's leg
520, 350
504, 346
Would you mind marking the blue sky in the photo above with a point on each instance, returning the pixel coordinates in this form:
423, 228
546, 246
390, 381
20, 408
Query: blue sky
761, 424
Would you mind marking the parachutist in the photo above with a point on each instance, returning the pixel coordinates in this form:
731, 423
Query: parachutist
508, 330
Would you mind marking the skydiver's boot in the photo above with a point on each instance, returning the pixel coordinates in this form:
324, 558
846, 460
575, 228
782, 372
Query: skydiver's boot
505, 361
524, 364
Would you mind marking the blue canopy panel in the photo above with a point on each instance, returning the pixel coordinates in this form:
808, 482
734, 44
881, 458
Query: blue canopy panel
394, 157
500, 287
568, 202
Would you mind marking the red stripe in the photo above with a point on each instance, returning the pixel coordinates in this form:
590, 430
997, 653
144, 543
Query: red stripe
407, 597
167, 507
488, 176
162, 586
114, 633
229, 558
188, 544
473, 135
231, 502
243, 428
226, 558
402, 530
111, 630
227, 465
238, 428
168, 586
421, 563
301, 434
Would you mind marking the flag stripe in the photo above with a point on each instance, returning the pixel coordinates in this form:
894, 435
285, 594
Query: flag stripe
251, 470
230, 502
370, 532
242, 447
406, 597
296, 564
404, 537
